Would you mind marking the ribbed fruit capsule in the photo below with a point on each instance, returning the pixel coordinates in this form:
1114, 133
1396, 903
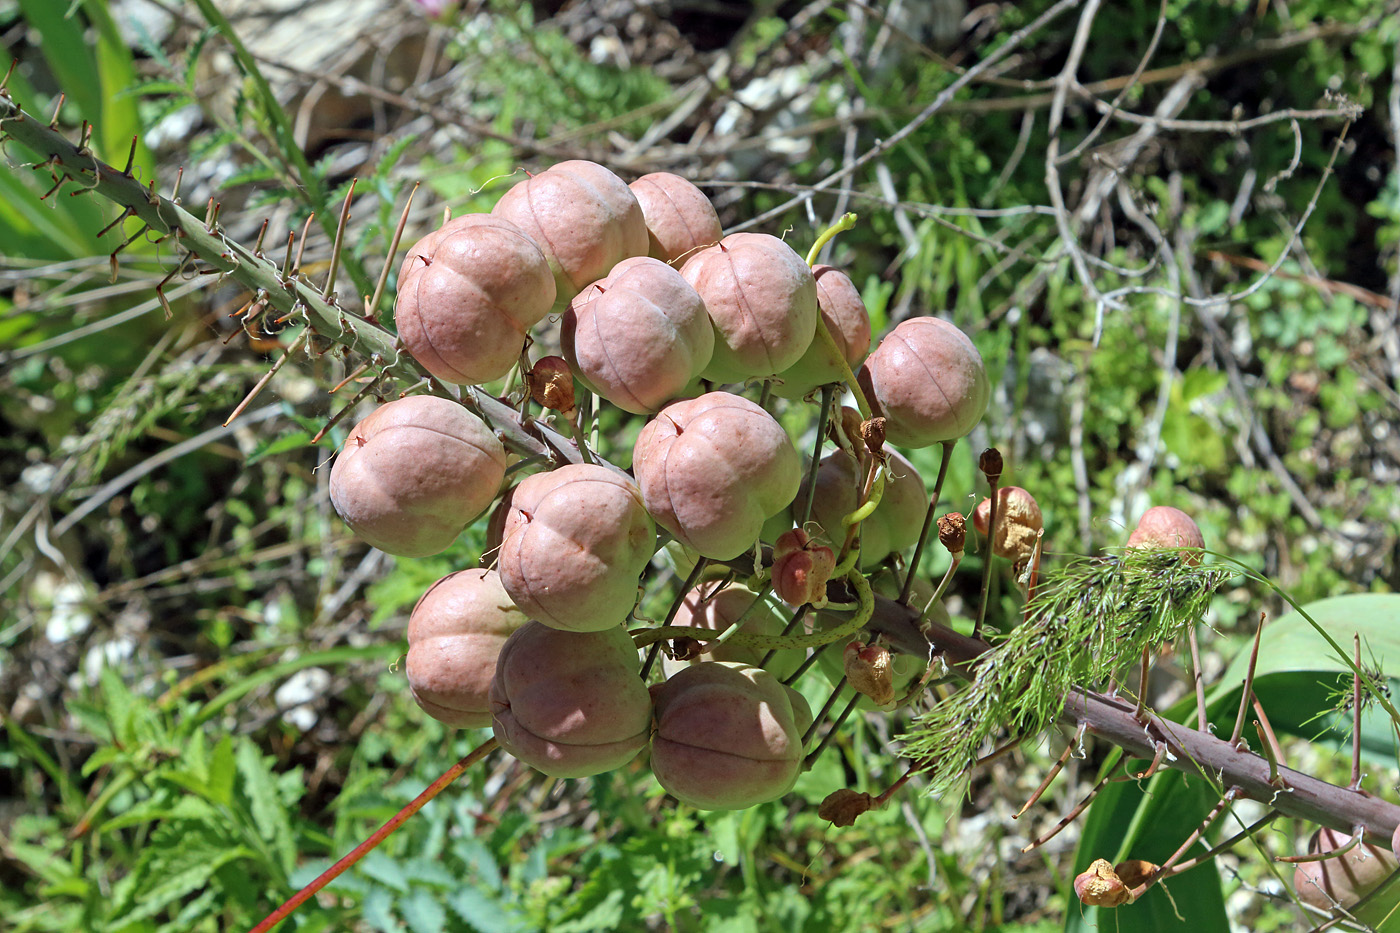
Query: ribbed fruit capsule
639, 336
584, 218
455, 635
468, 295
728, 736
845, 316
928, 380
414, 473
680, 219
570, 704
763, 301
573, 546
704, 608
713, 469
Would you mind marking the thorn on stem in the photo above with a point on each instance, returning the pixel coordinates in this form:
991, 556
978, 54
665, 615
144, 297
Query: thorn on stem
53, 121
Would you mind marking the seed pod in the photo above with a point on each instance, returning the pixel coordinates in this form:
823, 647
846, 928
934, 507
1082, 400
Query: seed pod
728, 736
718, 613
1018, 522
1345, 879
414, 473
552, 385
870, 671
455, 635
713, 469
841, 807
1100, 886
763, 301
928, 379
584, 218
801, 569
639, 336
889, 528
570, 704
468, 295
574, 544
1165, 527
680, 219
952, 532
843, 311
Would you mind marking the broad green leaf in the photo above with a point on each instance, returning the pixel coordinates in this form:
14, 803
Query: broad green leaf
260, 787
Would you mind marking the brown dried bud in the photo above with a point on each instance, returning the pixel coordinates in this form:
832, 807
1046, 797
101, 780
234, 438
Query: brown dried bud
870, 670
1100, 886
990, 464
841, 807
685, 649
952, 532
552, 384
873, 433
1134, 871
801, 569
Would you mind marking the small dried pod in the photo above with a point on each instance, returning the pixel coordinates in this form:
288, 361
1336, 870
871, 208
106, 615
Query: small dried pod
952, 532
1165, 527
1135, 871
455, 635
680, 219
870, 671
468, 294
801, 569
1019, 523
414, 473
906, 670
570, 704
639, 336
889, 529
552, 384
1100, 886
928, 379
705, 608
1345, 879
728, 736
842, 807
762, 300
713, 469
584, 218
574, 544
847, 320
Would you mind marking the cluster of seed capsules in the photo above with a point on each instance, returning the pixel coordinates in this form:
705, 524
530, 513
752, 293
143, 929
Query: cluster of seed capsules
654, 305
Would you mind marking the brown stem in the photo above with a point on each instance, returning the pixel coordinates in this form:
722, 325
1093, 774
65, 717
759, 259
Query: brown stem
1248, 690
913, 568
1193, 751
1054, 770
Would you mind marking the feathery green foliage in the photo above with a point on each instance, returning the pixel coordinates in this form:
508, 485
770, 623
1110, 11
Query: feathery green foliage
1090, 618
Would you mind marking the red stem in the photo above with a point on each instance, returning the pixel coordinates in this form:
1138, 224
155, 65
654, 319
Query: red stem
380, 834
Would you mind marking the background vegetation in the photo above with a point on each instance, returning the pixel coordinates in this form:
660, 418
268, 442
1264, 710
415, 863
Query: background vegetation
198, 665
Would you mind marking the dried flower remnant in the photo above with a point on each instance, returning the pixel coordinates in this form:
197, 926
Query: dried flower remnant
841, 807
952, 532
801, 569
1135, 871
552, 385
870, 671
1019, 523
1100, 886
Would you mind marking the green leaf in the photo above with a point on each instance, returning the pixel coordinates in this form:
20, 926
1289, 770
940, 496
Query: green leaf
422, 912
260, 787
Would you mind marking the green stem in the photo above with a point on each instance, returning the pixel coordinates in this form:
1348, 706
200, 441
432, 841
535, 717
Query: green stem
846, 222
